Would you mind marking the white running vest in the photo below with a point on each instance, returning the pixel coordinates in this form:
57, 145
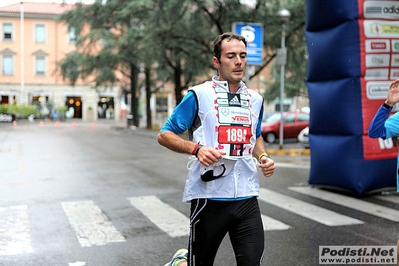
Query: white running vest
226, 122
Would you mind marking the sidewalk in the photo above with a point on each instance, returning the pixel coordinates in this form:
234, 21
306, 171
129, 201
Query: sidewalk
290, 147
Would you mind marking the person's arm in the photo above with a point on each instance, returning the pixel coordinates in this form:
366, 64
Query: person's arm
259, 147
174, 142
266, 163
181, 119
377, 125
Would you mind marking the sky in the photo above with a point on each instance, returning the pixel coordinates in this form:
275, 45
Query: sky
8, 2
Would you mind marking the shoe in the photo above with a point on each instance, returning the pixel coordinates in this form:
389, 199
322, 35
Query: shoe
180, 256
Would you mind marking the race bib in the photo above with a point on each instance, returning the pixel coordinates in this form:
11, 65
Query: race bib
234, 134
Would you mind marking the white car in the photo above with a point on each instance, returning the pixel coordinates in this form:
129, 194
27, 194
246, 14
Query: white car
303, 137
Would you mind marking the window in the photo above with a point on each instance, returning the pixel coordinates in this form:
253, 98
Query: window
303, 117
7, 31
40, 66
289, 118
8, 65
40, 62
72, 35
40, 33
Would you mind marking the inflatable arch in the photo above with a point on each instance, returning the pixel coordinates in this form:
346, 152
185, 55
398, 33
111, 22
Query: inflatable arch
353, 48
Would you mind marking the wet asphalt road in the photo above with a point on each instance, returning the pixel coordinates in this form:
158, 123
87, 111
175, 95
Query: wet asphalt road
45, 167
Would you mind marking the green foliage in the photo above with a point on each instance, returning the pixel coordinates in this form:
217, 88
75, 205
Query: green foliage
61, 108
70, 67
22, 111
3, 109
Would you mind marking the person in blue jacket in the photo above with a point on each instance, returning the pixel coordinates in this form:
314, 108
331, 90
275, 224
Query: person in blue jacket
385, 126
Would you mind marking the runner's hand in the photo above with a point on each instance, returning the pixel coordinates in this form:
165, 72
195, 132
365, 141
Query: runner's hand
267, 166
393, 93
208, 155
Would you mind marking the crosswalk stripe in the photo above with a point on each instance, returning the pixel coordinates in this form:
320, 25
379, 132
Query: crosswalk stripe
389, 198
359, 205
292, 165
93, 228
305, 209
271, 224
91, 225
14, 230
168, 219
175, 223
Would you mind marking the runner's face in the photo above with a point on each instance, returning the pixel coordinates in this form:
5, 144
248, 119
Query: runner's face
233, 61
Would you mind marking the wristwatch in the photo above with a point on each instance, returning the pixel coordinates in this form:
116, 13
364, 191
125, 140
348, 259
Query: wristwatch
264, 154
387, 106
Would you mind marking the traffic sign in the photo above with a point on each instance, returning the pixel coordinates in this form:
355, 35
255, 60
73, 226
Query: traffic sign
253, 33
281, 57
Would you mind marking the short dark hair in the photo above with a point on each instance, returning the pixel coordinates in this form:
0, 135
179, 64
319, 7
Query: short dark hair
217, 43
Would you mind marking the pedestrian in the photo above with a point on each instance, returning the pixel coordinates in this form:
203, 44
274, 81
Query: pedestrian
223, 119
385, 126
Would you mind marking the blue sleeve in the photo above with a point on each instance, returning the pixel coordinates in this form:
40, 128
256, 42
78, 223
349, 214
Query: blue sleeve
377, 126
392, 126
183, 115
259, 127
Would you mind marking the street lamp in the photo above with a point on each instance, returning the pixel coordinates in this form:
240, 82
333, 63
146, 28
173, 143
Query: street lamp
283, 16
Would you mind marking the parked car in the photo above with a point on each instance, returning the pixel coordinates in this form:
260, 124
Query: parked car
303, 137
293, 123
266, 115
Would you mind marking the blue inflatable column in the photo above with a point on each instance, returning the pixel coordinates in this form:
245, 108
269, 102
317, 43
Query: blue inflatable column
340, 110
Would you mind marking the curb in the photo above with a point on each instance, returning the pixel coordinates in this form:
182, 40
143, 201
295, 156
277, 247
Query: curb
290, 152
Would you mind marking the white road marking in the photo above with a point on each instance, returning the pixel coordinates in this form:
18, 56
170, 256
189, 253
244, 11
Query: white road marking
359, 205
14, 230
77, 263
389, 198
305, 209
168, 219
177, 224
91, 225
271, 224
292, 165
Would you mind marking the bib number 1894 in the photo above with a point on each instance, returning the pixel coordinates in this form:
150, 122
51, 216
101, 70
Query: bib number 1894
234, 134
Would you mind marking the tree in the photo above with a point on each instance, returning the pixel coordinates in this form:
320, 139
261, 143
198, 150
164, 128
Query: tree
171, 40
176, 34
296, 50
110, 51
222, 14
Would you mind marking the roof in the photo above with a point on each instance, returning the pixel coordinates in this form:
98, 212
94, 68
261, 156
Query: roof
37, 8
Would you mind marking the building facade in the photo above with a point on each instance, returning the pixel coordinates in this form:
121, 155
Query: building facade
32, 42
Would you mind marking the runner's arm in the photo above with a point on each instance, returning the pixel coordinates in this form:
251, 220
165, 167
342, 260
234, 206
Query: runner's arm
181, 119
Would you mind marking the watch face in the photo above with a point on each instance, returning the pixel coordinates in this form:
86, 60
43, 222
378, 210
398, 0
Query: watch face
387, 106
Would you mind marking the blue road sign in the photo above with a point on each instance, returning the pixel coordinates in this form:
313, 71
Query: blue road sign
253, 32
